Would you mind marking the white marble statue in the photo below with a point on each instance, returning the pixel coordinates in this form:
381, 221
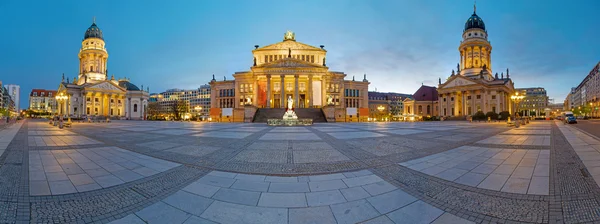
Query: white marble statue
289, 112
290, 103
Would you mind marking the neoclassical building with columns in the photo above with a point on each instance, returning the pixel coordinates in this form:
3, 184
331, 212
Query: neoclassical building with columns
290, 69
472, 87
92, 93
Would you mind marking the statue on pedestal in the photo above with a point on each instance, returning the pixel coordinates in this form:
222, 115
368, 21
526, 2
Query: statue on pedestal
289, 112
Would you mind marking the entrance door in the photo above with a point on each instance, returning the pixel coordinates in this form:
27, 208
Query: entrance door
276, 101
301, 101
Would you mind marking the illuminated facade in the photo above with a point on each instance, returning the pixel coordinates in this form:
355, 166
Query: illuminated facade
535, 102
386, 106
473, 88
41, 100
197, 99
289, 69
424, 103
92, 93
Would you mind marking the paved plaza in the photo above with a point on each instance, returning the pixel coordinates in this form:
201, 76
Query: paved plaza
190, 172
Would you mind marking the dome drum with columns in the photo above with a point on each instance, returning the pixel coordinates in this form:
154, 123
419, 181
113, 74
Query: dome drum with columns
472, 87
92, 93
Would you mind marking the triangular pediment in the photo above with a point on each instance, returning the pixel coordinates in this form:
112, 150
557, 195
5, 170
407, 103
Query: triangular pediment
290, 63
106, 85
290, 44
457, 80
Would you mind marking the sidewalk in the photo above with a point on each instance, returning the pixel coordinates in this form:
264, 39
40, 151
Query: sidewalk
7, 134
587, 148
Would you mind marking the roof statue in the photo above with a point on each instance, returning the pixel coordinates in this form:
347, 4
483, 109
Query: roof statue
63, 77
440, 81
506, 72
502, 75
458, 67
353, 78
224, 78
365, 78
452, 72
67, 80
213, 78
496, 75
142, 87
289, 35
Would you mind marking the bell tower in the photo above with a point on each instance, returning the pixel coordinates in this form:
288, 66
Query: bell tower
475, 49
92, 56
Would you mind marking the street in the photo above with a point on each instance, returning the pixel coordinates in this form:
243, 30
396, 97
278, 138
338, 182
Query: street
589, 126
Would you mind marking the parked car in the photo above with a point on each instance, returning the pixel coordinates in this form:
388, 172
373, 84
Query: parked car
570, 120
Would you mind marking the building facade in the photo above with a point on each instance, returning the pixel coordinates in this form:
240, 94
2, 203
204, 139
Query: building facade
198, 100
587, 93
472, 87
41, 100
92, 93
386, 106
15, 93
535, 102
289, 69
424, 103
6, 101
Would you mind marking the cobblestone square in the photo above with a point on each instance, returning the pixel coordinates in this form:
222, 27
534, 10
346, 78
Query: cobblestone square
190, 172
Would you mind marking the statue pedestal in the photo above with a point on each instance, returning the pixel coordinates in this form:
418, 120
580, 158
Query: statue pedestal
290, 115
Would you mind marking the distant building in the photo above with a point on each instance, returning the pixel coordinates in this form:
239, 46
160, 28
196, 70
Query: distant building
6, 101
386, 105
535, 101
587, 93
198, 100
423, 103
41, 100
15, 93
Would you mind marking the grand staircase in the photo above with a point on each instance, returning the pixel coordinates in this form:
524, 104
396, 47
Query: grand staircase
263, 114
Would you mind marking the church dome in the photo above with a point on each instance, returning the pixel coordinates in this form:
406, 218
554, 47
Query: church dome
128, 86
93, 32
474, 22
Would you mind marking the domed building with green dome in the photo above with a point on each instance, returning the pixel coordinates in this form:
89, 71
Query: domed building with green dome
92, 93
473, 87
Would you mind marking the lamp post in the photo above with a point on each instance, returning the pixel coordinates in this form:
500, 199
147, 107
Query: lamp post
198, 110
380, 108
517, 99
62, 98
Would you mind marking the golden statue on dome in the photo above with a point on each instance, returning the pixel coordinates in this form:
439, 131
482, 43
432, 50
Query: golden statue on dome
289, 35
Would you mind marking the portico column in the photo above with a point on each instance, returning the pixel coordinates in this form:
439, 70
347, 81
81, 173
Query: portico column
296, 102
497, 103
309, 94
268, 90
323, 91
282, 91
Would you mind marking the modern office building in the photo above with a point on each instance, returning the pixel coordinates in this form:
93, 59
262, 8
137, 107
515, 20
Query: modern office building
198, 100
535, 102
42, 100
474, 87
386, 106
15, 93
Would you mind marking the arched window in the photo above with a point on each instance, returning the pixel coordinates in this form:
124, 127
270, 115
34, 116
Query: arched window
91, 68
420, 110
135, 108
428, 109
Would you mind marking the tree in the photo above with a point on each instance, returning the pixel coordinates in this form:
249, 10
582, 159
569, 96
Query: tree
179, 107
479, 116
153, 110
504, 115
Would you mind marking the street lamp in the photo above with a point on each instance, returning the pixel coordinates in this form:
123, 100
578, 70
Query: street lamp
62, 98
517, 99
198, 109
380, 108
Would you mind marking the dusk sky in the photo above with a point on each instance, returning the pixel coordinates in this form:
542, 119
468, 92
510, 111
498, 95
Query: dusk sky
398, 44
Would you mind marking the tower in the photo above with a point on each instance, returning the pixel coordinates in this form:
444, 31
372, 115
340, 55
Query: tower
475, 49
92, 56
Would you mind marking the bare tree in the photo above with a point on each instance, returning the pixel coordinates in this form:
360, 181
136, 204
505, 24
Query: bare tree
179, 108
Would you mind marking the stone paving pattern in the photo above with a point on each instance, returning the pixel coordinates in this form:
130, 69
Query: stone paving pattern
428, 172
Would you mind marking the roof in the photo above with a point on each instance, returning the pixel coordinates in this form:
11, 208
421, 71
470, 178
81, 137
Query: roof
426, 93
128, 86
474, 22
93, 32
388, 96
40, 91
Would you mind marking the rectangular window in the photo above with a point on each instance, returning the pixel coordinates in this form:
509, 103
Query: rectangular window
493, 97
452, 99
478, 96
468, 97
266, 58
95, 99
312, 59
